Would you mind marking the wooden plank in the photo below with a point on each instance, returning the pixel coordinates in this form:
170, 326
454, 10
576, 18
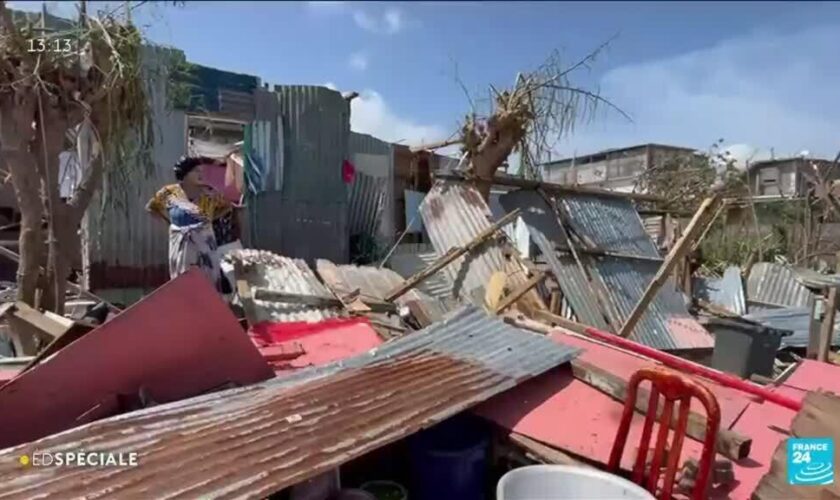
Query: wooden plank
695, 227
729, 443
494, 290
296, 298
827, 327
518, 293
818, 418
557, 188
541, 452
450, 256
5, 252
603, 253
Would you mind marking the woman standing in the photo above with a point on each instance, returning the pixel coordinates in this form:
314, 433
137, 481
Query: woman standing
190, 207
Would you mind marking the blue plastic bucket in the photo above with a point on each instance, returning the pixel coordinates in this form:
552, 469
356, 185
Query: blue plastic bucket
449, 461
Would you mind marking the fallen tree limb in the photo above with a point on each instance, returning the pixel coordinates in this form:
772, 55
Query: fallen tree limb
729, 443
449, 257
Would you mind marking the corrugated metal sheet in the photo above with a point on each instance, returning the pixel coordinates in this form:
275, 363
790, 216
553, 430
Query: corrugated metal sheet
548, 235
794, 319
814, 279
776, 284
409, 259
316, 121
653, 227
727, 291
614, 225
300, 229
254, 441
454, 213
273, 272
128, 247
374, 157
375, 283
236, 104
367, 194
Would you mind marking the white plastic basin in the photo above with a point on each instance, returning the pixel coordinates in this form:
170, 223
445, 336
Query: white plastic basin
566, 482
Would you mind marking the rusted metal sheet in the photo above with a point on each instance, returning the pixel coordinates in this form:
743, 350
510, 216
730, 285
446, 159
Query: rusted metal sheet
454, 213
375, 283
776, 284
726, 291
263, 269
254, 441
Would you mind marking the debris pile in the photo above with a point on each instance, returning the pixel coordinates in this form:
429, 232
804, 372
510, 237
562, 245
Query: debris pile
340, 366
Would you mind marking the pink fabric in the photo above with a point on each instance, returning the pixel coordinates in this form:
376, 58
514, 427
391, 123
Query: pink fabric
348, 172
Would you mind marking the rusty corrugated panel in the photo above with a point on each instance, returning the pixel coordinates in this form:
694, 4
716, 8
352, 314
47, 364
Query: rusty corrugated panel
367, 194
727, 291
776, 284
236, 104
375, 283
262, 269
454, 213
255, 441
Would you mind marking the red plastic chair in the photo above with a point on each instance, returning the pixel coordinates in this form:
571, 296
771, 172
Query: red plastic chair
674, 387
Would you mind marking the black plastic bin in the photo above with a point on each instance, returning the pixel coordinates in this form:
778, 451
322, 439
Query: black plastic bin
744, 348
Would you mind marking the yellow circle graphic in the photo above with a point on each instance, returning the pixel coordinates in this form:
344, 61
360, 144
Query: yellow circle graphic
24, 460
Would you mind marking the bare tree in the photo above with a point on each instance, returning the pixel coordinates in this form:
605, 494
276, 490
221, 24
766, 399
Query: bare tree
87, 79
542, 106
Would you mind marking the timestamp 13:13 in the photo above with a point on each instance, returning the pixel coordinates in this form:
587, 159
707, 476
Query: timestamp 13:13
54, 45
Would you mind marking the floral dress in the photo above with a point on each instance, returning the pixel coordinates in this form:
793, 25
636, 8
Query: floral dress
192, 242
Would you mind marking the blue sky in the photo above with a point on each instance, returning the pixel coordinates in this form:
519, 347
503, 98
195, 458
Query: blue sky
758, 75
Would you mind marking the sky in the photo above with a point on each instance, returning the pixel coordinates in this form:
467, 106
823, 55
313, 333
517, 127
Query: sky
762, 76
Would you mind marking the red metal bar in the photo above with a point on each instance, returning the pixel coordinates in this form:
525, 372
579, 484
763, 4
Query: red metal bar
694, 369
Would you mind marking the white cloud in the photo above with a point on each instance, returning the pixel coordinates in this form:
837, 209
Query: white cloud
757, 92
390, 23
370, 114
358, 61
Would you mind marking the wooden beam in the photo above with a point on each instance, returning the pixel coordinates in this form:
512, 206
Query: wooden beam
603, 253
296, 298
556, 188
5, 252
434, 145
827, 327
694, 229
540, 452
729, 443
450, 256
518, 293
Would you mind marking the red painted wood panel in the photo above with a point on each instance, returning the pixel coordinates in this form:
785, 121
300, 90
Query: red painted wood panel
180, 341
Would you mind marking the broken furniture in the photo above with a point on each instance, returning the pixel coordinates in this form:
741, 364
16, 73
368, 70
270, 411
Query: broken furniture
674, 388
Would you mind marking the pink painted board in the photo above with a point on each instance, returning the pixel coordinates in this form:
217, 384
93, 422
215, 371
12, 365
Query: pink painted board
814, 375
180, 341
732, 402
333, 342
557, 409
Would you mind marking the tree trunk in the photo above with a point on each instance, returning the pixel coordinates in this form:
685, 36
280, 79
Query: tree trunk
17, 114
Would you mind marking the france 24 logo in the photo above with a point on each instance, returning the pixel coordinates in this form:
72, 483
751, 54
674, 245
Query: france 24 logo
810, 461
